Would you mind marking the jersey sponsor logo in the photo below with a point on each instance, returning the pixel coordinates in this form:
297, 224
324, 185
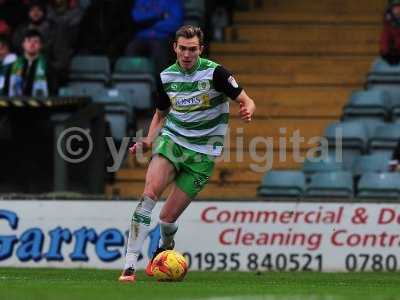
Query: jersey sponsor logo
203, 100
188, 101
203, 85
233, 82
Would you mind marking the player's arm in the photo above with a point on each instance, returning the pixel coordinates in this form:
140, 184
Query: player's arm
226, 83
163, 105
156, 124
247, 106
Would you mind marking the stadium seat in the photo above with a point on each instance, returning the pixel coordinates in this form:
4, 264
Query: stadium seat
396, 115
354, 140
379, 185
377, 162
194, 12
282, 184
80, 89
135, 75
90, 69
384, 139
325, 164
330, 184
385, 77
118, 112
368, 105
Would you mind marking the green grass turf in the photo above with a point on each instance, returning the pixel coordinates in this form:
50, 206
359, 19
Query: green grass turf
43, 284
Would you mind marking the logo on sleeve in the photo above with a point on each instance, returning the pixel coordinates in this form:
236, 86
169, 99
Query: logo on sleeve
233, 82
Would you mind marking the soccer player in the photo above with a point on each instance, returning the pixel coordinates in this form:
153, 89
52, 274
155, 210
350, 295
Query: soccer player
192, 113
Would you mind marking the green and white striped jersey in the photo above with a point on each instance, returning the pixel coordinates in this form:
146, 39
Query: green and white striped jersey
199, 105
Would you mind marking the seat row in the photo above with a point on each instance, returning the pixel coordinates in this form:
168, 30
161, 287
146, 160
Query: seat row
328, 185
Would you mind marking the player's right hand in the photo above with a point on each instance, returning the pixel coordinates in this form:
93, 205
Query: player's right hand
140, 146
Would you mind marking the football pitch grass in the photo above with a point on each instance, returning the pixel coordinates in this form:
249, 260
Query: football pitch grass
43, 284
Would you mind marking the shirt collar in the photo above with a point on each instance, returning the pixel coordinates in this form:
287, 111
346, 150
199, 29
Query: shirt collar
192, 70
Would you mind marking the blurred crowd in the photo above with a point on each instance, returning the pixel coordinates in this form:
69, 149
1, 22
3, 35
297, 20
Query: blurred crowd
39, 37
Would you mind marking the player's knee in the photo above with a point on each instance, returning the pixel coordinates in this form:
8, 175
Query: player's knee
167, 217
149, 192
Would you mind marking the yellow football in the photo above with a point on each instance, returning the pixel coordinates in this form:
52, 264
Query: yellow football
169, 265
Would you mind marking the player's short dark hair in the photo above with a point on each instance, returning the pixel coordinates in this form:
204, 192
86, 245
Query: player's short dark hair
33, 33
188, 32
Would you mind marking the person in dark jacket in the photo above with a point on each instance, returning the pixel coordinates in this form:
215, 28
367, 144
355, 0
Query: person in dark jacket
390, 36
155, 23
394, 164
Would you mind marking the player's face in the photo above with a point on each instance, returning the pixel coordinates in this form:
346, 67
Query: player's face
187, 51
396, 11
32, 45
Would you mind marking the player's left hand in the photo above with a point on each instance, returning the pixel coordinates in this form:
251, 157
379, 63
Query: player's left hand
246, 111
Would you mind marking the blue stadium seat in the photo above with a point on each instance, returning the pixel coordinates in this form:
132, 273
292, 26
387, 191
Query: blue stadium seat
384, 139
330, 184
135, 75
377, 162
379, 185
282, 184
368, 105
325, 164
396, 115
354, 140
385, 77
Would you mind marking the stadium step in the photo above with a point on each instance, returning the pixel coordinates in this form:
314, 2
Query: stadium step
264, 64
324, 6
211, 191
291, 48
221, 175
332, 34
297, 70
322, 79
301, 97
288, 17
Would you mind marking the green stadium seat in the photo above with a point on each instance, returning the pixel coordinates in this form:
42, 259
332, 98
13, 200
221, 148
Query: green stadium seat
135, 75
383, 186
80, 89
330, 184
90, 68
118, 112
194, 12
282, 184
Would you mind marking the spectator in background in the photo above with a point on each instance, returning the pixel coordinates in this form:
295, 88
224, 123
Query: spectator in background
4, 28
105, 28
66, 16
13, 13
390, 37
155, 23
37, 20
6, 60
394, 164
30, 75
